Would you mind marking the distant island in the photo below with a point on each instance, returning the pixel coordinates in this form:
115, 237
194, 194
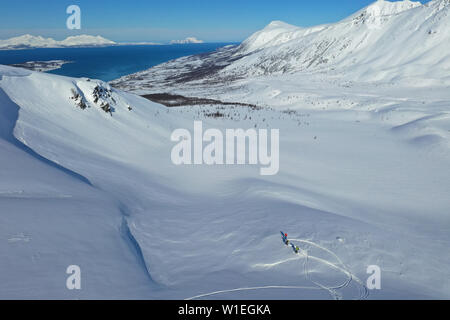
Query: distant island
28, 42
188, 40
82, 41
42, 66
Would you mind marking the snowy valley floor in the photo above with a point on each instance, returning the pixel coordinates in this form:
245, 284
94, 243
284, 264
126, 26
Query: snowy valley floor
363, 180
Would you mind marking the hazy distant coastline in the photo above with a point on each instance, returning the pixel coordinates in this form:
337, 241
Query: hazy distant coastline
82, 41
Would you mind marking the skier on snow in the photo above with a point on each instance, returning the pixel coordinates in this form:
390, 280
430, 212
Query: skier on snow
286, 239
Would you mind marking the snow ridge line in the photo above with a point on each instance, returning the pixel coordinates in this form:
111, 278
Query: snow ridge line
8, 120
135, 246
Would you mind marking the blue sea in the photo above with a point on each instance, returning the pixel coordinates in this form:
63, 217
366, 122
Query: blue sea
107, 63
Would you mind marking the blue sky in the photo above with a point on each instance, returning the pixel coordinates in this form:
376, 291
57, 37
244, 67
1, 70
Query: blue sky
165, 20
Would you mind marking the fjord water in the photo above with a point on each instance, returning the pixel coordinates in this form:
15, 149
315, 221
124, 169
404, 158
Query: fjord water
107, 63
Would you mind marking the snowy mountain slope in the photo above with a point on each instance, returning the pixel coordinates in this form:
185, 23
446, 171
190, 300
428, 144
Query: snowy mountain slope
28, 41
384, 41
381, 10
390, 58
389, 42
352, 189
51, 218
278, 32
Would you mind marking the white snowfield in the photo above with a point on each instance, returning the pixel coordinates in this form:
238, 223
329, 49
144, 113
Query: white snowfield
28, 41
87, 179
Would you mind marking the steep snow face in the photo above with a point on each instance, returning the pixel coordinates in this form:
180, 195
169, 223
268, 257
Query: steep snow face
29, 41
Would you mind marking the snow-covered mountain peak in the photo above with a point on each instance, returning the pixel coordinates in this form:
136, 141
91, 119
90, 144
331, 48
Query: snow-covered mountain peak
279, 24
379, 11
276, 30
383, 7
375, 43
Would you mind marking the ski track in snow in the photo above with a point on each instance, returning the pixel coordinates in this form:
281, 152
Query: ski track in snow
332, 290
363, 293
25, 195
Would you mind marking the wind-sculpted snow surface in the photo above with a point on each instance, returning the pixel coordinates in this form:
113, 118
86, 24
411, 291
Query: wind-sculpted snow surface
359, 184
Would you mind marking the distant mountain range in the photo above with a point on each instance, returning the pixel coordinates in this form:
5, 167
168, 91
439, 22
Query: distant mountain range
28, 41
